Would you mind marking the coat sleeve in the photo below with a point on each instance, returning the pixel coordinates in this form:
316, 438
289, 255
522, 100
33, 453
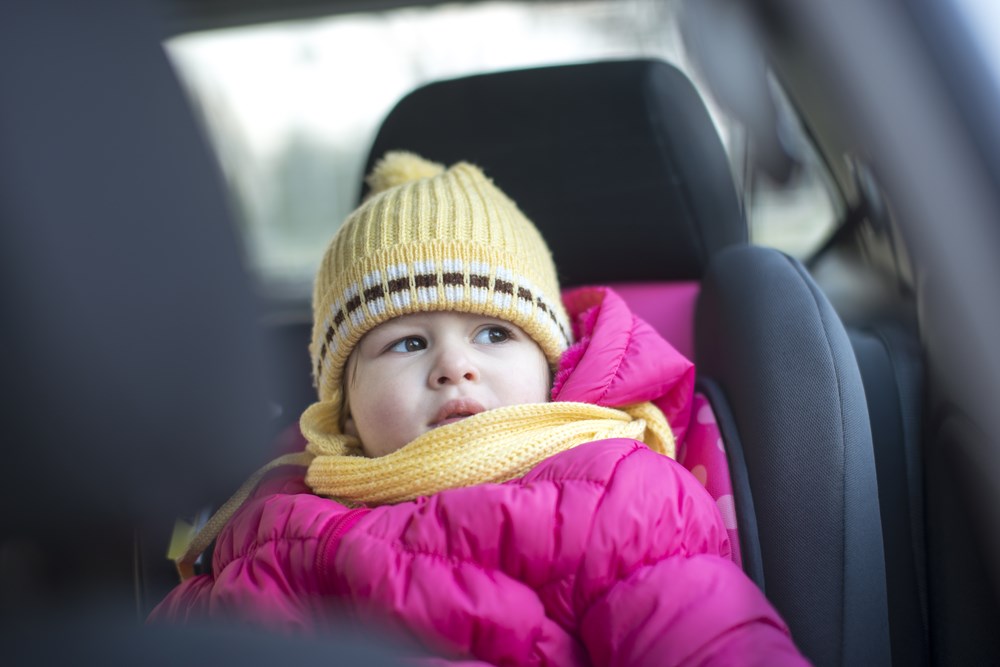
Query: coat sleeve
659, 588
659, 616
264, 568
186, 602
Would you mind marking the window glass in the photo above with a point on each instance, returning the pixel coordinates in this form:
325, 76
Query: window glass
796, 216
981, 18
291, 108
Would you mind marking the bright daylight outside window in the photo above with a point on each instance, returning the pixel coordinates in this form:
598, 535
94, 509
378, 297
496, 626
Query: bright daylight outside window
291, 108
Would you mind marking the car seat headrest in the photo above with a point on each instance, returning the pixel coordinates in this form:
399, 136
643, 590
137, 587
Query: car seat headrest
617, 163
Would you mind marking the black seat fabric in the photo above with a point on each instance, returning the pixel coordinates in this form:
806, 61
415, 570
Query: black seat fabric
130, 327
889, 360
132, 375
622, 170
785, 367
618, 163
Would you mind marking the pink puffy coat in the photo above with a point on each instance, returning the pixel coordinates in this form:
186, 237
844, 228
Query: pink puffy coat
607, 554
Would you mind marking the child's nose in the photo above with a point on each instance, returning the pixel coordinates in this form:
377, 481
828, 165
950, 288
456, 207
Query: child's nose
453, 366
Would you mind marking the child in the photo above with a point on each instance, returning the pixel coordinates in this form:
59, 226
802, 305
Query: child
446, 496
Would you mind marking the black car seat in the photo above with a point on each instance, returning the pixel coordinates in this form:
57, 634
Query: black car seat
620, 166
132, 374
889, 357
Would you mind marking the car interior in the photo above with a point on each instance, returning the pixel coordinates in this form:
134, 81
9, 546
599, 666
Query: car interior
144, 377
764, 336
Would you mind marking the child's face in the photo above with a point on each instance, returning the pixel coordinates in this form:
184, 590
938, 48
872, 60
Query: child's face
424, 370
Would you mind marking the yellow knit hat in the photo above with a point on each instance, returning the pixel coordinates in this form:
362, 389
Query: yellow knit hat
430, 239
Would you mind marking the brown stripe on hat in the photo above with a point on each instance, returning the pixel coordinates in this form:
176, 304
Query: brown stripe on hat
430, 281
319, 362
399, 284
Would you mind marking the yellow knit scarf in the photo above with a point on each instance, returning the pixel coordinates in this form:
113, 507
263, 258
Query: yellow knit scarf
493, 446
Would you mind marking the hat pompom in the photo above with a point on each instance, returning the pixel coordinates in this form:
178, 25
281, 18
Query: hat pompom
399, 167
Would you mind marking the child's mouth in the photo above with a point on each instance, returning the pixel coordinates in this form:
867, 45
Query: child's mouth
456, 410
452, 420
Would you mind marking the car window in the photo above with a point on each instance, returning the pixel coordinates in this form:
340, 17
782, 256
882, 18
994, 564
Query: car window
799, 214
291, 108
980, 19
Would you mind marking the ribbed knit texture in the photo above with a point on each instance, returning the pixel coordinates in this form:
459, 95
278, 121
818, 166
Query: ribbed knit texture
493, 446
448, 241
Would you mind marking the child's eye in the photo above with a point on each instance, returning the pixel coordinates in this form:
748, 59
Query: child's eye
492, 335
408, 344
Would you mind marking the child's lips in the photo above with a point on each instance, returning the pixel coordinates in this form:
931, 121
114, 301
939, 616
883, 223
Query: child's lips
456, 410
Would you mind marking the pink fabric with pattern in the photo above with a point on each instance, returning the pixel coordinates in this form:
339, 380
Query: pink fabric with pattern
669, 308
704, 454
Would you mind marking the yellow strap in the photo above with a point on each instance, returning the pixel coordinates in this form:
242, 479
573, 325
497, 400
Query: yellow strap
191, 546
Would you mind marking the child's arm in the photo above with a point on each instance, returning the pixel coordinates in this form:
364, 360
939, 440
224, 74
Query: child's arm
264, 568
698, 610
187, 602
660, 588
